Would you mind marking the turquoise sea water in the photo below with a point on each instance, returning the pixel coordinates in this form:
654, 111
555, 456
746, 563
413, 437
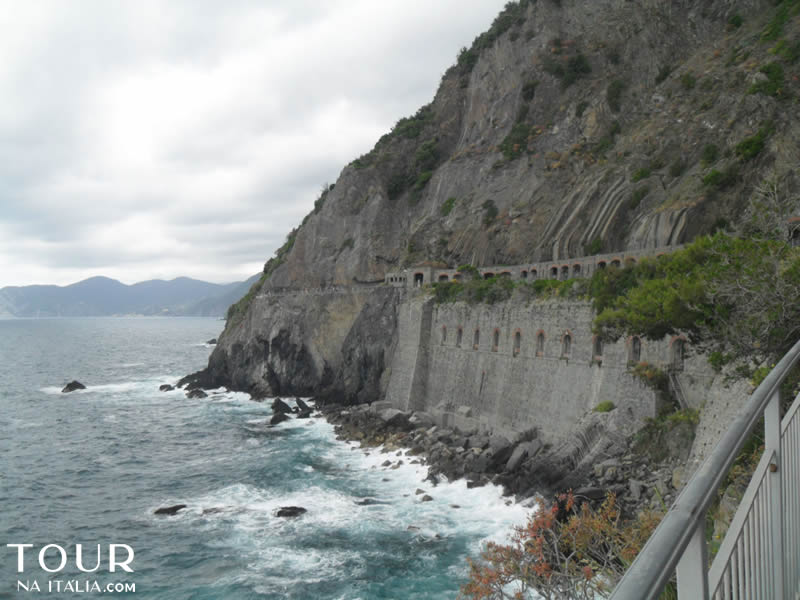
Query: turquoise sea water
91, 467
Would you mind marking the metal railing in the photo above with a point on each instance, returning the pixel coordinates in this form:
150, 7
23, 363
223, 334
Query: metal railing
760, 555
676, 389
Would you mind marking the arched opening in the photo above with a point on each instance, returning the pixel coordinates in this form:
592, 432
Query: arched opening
444, 334
495, 340
444, 277
459, 335
524, 274
678, 353
630, 261
540, 344
554, 272
601, 264
488, 275
457, 277
506, 274
616, 263
517, 342
418, 279
476, 339
534, 274
576, 270
564, 272
597, 347
636, 350
566, 344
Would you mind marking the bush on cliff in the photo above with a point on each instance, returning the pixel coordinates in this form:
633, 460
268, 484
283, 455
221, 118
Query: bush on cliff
564, 551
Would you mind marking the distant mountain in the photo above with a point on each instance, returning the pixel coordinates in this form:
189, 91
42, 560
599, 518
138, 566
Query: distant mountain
102, 296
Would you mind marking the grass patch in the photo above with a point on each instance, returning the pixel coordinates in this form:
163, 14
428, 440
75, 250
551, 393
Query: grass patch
773, 86
640, 174
604, 407
448, 206
752, 146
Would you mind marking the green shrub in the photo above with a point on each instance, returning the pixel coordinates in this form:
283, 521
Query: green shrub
490, 212
637, 197
593, 247
581, 108
411, 127
576, 67
650, 375
397, 184
677, 168
604, 407
448, 206
663, 73
774, 28
736, 21
688, 80
529, 90
640, 174
614, 94
710, 154
721, 180
773, 86
752, 146
427, 156
516, 142
789, 51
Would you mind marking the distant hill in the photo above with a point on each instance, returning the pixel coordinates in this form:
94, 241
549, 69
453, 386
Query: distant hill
102, 296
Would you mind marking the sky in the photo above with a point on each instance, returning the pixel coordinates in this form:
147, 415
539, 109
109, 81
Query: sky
156, 139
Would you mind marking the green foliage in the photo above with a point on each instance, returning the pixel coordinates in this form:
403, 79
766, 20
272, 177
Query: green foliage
576, 67
427, 155
651, 375
726, 293
475, 290
688, 80
516, 142
397, 184
593, 247
614, 94
663, 73
605, 143
469, 271
790, 51
637, 197
512, 14
774, 29
640, 174
237, 310
677, 168
773, 86
710, 154
752, 146
411, 127
718, 359
347, 244
582, 106
529, 90
448, 206
720, 180
490, 212
604, 407
735, 21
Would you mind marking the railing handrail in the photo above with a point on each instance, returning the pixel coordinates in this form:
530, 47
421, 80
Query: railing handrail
656, 563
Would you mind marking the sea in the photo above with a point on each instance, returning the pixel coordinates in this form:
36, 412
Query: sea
89, 469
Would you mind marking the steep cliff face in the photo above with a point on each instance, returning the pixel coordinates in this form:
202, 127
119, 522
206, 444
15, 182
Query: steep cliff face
569, 127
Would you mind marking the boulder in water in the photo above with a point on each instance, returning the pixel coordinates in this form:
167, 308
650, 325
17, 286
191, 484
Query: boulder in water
169, 510
279, 406
165, 387
290, 511
196, 394
278, 417
72, 386
302, 406
212, 341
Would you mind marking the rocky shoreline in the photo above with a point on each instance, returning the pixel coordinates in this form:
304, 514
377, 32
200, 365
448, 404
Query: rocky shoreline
524, 467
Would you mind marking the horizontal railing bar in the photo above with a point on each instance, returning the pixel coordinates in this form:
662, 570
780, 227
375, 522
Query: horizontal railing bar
739, 518
655, 564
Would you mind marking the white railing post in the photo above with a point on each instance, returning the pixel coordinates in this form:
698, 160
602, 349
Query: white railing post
772, 444
692, 569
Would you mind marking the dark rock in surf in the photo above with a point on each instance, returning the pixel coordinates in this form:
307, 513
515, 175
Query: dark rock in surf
72, 386
169, 510
196, 393
212, 342
278, 417
302, 406
279, 406
165, 387
290, 511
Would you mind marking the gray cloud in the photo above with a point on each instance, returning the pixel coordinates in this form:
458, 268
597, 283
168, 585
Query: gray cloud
157, 139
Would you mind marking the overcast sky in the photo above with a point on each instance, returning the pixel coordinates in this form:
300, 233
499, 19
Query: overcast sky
143, 140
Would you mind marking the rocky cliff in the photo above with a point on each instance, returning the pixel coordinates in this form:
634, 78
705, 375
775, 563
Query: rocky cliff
568, 128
